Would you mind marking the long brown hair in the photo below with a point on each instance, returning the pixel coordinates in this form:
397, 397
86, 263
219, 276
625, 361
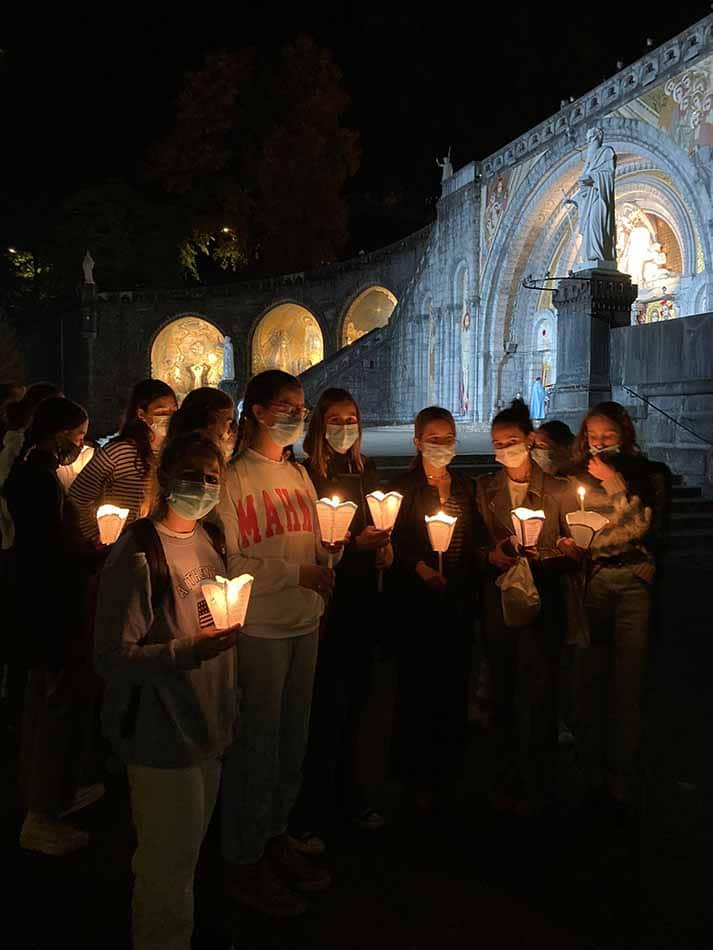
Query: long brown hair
429, 414
178, 455
261, 390
133, 428
615, 413
315, 442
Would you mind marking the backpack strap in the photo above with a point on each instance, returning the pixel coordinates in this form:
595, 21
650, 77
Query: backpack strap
148, 542
216, 536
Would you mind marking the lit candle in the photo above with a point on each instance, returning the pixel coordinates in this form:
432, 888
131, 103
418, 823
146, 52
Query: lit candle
528, 525
334, 516
228, 599
110, 521
581, 491
384, 509
440, 529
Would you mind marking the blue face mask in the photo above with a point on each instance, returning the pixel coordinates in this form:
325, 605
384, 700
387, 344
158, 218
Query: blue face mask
286, 430
192, 500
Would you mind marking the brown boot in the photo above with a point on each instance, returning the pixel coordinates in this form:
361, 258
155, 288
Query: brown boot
257, 886
299, 872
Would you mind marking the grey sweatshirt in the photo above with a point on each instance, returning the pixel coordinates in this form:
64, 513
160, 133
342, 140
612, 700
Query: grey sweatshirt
186, 709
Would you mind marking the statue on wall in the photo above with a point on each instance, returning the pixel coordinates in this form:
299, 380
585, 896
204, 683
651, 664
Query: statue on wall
88, 268
446, 167
228, 358
595, 202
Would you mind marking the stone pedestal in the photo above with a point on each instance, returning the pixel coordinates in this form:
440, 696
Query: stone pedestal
588, 306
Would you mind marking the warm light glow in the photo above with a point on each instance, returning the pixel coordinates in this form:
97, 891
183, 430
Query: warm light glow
528, 525
110, 521
384, 508
335, 516
581, 491
12, 250
440, 530
228, 599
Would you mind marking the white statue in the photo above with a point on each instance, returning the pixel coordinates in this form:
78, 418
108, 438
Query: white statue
228, 359
595, 202
445, 165
88, 268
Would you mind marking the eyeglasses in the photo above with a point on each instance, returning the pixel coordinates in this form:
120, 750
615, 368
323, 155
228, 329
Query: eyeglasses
199, 478
294, 412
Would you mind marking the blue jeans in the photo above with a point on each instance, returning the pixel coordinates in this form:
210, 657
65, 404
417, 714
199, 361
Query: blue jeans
262, 770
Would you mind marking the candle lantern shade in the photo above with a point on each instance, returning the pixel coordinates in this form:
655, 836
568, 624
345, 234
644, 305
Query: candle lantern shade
384, 508
110, 521
335, 516
440, 530
584, 525
228, 599
528, 525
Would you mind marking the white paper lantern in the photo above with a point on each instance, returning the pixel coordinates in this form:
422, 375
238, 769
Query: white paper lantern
528, 525
228, 599
384, 508
584, 525
111, 521
335, 516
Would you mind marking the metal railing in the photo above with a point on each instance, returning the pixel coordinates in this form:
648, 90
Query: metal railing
664, 413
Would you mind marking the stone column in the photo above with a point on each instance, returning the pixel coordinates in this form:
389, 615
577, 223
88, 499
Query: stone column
588, 306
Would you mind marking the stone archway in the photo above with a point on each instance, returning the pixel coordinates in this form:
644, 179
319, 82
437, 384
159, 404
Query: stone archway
287, 337
188, 353
371, 309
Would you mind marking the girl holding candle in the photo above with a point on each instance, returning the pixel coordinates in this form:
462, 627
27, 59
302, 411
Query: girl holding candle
120, 473
633, 493
436, 612
170, 701
348, 651
522, 661
59, 697
272, 532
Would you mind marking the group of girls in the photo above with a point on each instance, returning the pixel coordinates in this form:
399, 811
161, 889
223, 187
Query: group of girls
236, 715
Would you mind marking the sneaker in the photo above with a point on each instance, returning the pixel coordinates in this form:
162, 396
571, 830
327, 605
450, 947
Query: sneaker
85, 797
257, 886
309, 843
298, 870
370, 820
49, 836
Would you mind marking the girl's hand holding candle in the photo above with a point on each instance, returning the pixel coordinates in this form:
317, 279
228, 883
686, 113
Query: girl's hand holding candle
228, 599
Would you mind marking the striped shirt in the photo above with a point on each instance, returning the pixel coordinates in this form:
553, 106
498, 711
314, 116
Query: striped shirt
116, 476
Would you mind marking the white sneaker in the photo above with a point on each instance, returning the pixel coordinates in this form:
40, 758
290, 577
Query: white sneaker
85, 797
49, 836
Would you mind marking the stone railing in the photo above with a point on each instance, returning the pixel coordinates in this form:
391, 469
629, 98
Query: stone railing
625, 85
327, 371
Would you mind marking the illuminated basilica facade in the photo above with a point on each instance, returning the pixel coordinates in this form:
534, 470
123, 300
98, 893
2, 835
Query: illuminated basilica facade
462, 313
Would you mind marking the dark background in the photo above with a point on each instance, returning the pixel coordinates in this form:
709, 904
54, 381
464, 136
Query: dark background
83, 95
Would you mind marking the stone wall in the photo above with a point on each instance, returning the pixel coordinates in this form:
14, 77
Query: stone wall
671, 365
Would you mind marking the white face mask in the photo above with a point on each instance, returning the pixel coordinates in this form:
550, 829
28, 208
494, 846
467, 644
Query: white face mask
546, 459
438, 455
159, 427
286, 430
342, 437
605, 450
513, 456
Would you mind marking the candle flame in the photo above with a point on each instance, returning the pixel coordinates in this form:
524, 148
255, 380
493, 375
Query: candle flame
581, 491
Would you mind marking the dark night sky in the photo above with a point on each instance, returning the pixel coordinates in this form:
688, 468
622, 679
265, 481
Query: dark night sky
82, 96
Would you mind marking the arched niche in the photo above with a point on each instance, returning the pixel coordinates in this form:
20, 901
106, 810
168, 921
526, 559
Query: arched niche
369, 311
289, 338
188, 353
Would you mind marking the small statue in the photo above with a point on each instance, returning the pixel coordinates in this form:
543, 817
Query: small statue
228, 359
445, 165
594, 202
88, 268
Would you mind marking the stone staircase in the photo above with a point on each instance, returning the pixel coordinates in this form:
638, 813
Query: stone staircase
691, 529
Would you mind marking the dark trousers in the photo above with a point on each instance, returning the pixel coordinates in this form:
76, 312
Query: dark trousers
523, 664
434, 660
58, 736
336, 780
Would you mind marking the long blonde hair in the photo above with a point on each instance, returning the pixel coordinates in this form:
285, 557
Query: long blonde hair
315, 442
